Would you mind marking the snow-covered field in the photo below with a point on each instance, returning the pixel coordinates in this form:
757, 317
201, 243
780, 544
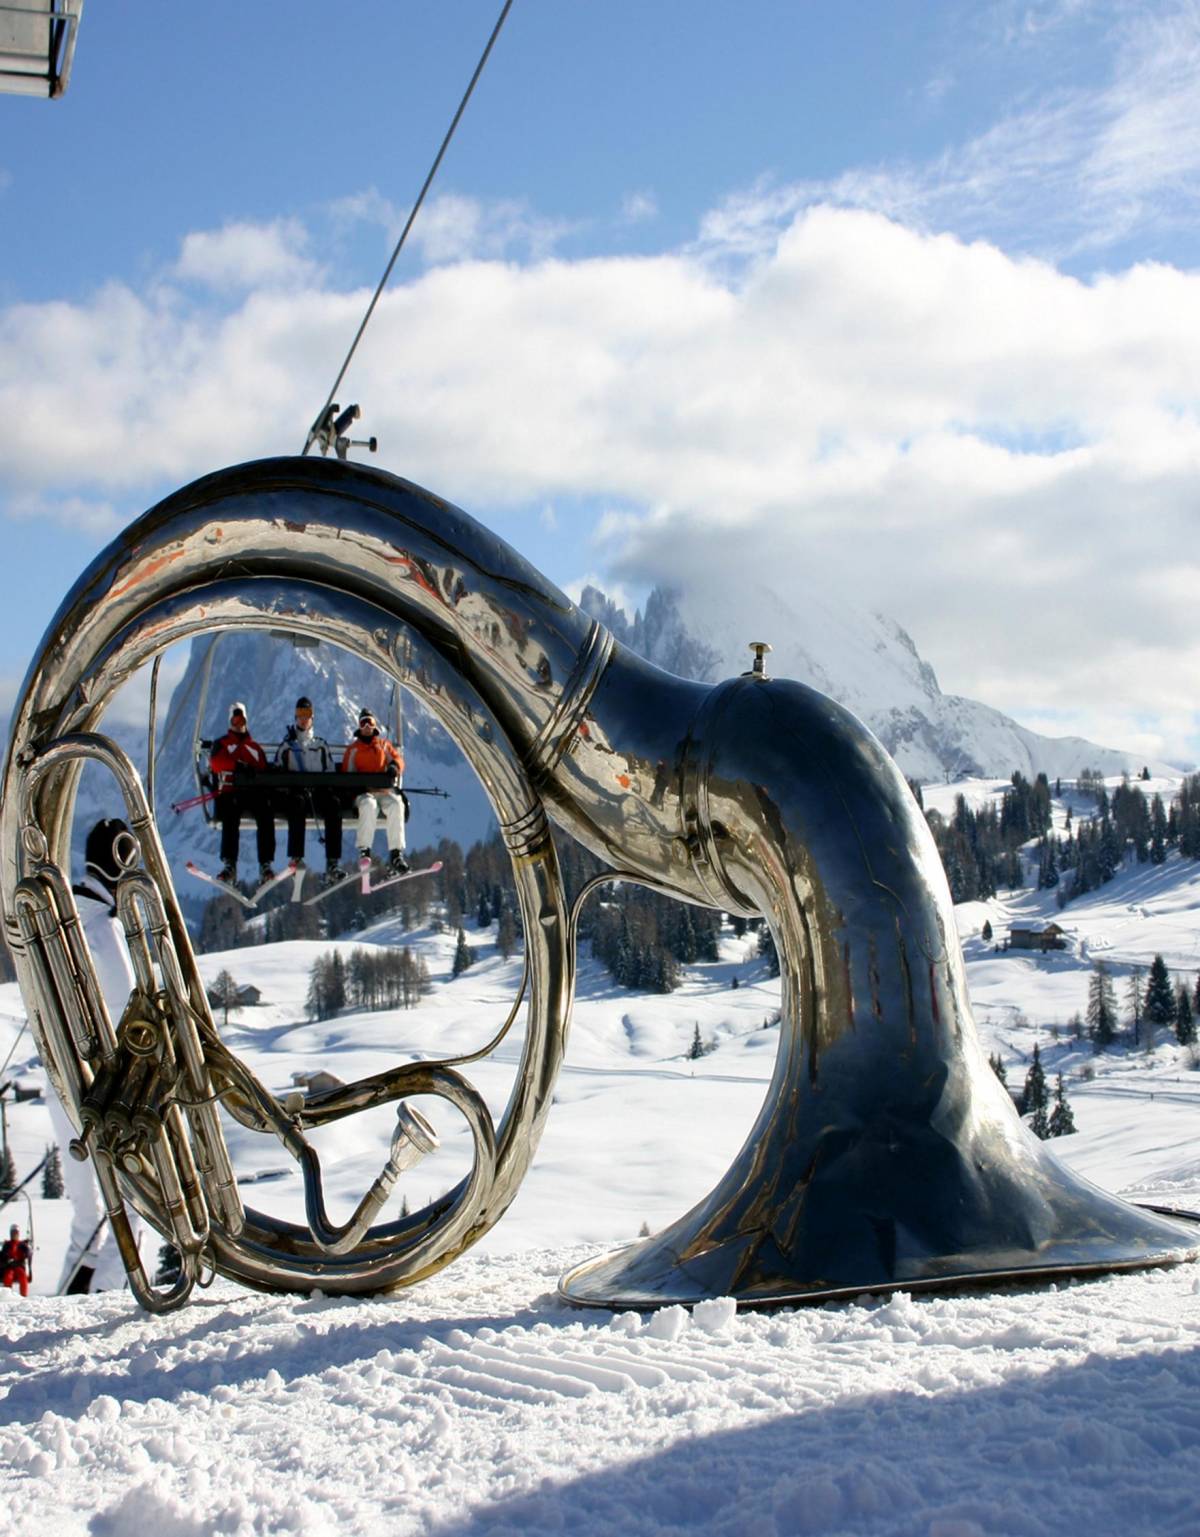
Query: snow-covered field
477, 1402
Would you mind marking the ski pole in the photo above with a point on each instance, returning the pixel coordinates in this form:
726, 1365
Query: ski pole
195, 800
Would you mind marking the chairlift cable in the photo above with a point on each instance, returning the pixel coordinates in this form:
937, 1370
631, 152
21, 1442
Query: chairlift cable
150, 731
322, 415
206, 668
178, 705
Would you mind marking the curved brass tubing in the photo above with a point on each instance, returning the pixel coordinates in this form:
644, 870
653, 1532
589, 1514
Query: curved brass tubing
885, 1154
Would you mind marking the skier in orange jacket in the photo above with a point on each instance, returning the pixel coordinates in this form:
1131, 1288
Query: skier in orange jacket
371, 753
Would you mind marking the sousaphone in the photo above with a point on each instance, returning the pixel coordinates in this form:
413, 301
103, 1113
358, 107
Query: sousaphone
885, 1155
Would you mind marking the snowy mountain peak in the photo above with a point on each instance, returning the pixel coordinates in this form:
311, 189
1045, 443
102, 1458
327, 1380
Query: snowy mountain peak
866, 661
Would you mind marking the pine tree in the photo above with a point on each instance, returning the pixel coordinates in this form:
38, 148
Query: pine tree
1047, 865
1101, 1007
1158, 831
985, 932
506, 931
8, 1172
222, 925
1134, 1000
53, 1188
696, 1049
170, 1265
1033, 1096
462, 955
996, 1063
766, 948
1062, 1122
1110, 850
328, 987
1185, 1020
1159, 1004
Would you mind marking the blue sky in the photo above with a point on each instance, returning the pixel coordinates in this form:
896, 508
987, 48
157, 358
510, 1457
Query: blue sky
898, 297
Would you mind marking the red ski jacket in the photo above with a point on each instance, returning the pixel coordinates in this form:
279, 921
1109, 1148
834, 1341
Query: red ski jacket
16, 1255
233, 748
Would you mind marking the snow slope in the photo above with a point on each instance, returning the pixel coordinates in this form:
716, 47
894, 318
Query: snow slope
478, 1403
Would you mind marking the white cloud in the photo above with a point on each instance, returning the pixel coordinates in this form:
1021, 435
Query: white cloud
247, 256
368, 207
639, 207
1076, 170
453, 228
1005, 458
98, 520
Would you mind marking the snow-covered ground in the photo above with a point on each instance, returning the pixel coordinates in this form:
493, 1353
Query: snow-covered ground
477, 1402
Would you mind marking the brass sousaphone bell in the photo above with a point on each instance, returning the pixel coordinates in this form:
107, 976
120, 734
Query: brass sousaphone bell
885, 1155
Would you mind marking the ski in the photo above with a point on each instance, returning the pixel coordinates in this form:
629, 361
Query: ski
289, 872
408, 875
368, 889
325, 891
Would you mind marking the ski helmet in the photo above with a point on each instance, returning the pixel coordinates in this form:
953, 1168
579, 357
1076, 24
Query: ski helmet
110, 849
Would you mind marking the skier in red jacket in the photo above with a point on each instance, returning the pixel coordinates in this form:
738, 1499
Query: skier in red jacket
16, 1261
237, 749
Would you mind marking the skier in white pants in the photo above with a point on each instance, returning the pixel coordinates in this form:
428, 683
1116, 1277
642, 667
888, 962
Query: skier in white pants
371, 753
93, 1261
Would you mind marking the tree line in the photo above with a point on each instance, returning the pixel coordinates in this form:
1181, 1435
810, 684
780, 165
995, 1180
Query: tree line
1046, 1120
1154, 1001
371, 979
981, 850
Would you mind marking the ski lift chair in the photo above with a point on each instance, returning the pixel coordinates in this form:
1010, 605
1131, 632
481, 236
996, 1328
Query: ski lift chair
202, 745
37, 46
